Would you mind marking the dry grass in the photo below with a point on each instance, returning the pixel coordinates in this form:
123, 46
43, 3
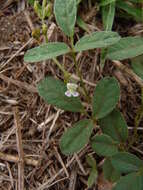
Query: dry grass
30, 129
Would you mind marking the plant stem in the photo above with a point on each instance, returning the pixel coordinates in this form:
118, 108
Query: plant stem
78, 73
66, 73
102, 58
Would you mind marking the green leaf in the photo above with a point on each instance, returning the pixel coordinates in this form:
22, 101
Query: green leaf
104, 145
75, 138
97, 40
106, 2
91, 161
53, 92
132, 181
92, 177
31, 2
82, 24
108, 14
125, 162
106, 96
115, 126
130, 9
137, 65
65, 13
127, 47
79, 1
93, 173
109, 172
46, 51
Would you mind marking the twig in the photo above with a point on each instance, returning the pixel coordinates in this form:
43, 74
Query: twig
48, 120
61, 161
23, 85
10, 132
20, 150
6, 4
80, 165
28, 20
138, 150
132, 128
52, 126
72, 160
56, 182
44, 185
129, 72
73, 178
85, 81
15, 159
31, 88
10, 175
14, 55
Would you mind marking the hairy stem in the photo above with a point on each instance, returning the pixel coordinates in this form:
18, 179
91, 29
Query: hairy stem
66, 73
78, 73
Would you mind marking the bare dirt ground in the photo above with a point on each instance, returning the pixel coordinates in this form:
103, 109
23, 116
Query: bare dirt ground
29, 128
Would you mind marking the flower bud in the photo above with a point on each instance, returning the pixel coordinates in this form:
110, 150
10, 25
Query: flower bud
37, 8
48, 10
36, 33
44, 29
44, 3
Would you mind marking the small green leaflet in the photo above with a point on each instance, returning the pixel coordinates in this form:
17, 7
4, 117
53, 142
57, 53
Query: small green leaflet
106, 2
106, 96
92, 177
125, 162
109, 172
115, 126
103, 145
131, 9
65, 12
91, 161
133, 181
97, 40
82, 24
108, 14
75, 138
127, 47
46, 51
31, 2
53, 92
93, 172
137, 65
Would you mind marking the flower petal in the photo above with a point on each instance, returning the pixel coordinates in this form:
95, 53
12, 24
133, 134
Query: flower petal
75, 94
68, 93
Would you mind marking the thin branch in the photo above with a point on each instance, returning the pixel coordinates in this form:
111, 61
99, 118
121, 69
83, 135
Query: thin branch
24, 85
20, 150
15, 54
15, 159
52, 126
125, 69
61, 161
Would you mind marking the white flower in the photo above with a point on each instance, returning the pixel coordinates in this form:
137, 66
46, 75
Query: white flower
71, 90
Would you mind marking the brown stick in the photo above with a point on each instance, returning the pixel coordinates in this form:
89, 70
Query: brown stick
15, 159
15, 54
29, 21
23, 85
129, 72
20, 150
